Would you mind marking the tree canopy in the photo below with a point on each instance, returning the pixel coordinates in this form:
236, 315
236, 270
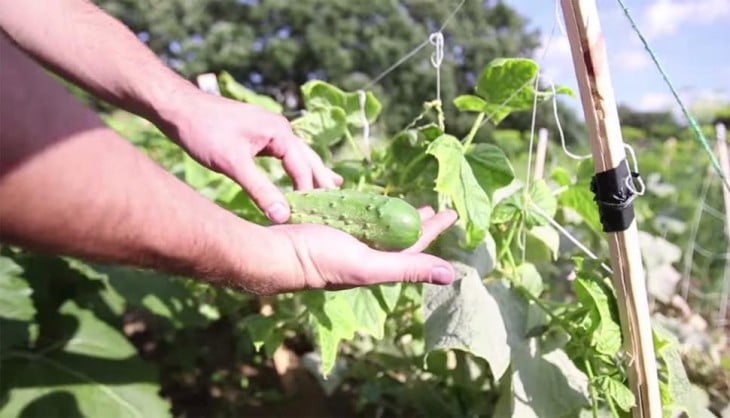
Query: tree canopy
275, 46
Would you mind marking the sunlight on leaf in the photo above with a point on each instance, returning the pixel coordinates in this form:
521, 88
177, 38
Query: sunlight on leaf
456, 180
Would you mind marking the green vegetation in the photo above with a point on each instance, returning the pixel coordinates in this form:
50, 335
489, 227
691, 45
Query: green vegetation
530, 328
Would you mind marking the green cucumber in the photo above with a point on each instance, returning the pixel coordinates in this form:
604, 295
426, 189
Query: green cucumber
382, 222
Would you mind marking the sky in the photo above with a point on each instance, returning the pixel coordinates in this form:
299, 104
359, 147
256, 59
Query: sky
691, 39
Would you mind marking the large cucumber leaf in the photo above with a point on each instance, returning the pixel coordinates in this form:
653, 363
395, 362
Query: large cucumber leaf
93, 371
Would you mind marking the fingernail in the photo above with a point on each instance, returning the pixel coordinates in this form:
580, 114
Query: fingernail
277, 213
441, 275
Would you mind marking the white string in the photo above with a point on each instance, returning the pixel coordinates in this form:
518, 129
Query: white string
557, 122
561, 26
693, 239
532, 133
714, 212
397, 64
365, 124
710, 254
636, 170
414, 51
568, 235
437, 40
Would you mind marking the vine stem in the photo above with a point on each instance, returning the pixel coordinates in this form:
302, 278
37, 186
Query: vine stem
566, 326
591, 387
474, 128
612, 406
510, 237
354, 146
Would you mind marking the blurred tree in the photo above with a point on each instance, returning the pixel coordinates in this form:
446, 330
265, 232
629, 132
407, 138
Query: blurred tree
274, 46
660, 125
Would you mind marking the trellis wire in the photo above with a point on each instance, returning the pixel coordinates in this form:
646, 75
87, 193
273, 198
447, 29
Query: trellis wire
690, 119
414, 51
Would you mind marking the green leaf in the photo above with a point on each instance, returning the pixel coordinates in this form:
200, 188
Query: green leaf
372, 108
540, 196
534, 368
456, 180
543, 237
324, 126
618, 391
466, 316
449, 246
604, 329
543, 384
580, 199
507, 84
470, 103
197, 175
505, 211
507, 79
561, 176
16, 305
333, 321
529, 278
231, 88
389, 294
161, 295
319, 94
367, 311
94, 369
264, 332
338, 315
15, 293
491, 167
565, 90
677, 392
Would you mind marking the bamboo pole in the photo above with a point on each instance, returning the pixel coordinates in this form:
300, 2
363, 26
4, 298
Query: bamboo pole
596, 91
542, 141
722, 151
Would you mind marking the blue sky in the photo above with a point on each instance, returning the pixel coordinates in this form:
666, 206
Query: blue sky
691, 39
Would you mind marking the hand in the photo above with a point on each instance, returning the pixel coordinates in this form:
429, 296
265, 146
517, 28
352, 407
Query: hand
331, 259
225, 135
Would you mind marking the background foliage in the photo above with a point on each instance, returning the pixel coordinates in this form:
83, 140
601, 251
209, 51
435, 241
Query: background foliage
81, 339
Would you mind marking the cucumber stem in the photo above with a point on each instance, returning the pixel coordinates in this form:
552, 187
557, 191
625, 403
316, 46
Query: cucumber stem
473, 131
592, 387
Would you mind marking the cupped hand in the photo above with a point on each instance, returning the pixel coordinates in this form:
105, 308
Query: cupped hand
331, 259
225, 135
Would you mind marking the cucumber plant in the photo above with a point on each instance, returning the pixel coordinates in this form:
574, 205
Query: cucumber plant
510, 337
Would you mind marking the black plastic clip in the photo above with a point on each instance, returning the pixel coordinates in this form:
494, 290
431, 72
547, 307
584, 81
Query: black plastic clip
614, 192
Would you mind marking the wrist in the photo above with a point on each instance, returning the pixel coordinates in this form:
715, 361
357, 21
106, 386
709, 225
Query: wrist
259, 259
166, 106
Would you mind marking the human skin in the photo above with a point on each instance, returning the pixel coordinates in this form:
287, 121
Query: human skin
70, 185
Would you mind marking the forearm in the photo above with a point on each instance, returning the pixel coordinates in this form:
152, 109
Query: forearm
70, 185
79, 41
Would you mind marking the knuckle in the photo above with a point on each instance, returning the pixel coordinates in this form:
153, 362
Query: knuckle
411, 275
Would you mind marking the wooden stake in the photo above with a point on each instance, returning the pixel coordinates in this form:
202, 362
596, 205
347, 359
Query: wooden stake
722, 152
542, 141
592, 72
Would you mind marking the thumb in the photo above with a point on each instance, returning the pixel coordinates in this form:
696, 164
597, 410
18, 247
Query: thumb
392, 267
263, 192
